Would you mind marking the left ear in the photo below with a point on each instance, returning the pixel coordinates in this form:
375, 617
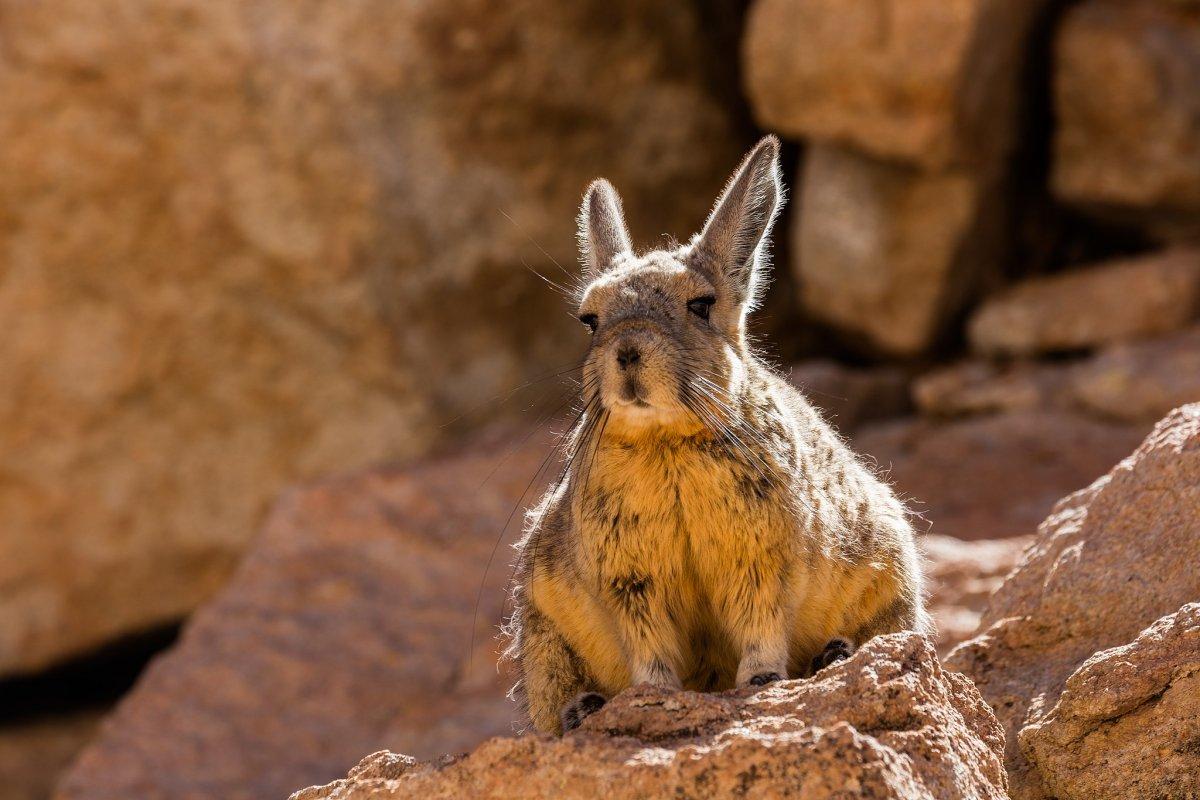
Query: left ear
736, 233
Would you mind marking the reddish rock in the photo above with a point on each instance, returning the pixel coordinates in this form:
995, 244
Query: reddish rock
888, 723
850, 396
248, 243
888, 253
960, 577
1127, 133
996, 476
1140, 381
1125, 708
1106, 303
1109, 561
347, 629
924, 81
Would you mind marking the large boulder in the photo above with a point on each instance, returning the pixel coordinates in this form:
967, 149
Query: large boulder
247, 242
924, 81
888, 253
1108, 562
1086, 308
1127, 139
1125, 708
888, 723
347, 629
995, 476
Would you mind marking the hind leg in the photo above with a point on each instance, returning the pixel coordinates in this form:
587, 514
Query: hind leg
553, 677
904, 613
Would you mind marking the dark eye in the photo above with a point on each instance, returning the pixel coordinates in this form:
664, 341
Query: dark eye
700, 306
590, 320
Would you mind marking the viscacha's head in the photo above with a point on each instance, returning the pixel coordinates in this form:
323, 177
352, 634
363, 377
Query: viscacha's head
668, 327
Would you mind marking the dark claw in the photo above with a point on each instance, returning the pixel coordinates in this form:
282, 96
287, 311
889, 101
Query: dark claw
765, 678
837, 650
579, 709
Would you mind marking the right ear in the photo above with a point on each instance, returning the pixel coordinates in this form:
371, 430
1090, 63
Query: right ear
602, 232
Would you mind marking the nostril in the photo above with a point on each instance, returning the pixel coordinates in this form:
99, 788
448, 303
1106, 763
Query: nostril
627, 356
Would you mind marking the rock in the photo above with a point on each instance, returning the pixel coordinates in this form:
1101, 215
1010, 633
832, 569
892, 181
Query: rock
1143, 380
961, 576
348, 628
33, 752
1108, 561
922, 81
1127, 111
850, 396
888, 253
231, 234
888, 723
1085, 308
1125, 708
984, 387
994, 477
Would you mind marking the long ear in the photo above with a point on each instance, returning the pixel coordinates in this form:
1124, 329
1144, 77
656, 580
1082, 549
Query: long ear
735, 235
602, 233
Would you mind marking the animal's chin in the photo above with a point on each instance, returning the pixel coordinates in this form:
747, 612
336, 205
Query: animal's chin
641, 416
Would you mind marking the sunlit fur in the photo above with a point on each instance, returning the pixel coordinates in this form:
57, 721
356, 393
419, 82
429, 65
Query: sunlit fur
710, 527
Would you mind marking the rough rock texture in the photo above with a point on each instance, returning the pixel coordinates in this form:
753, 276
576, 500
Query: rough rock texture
1106, 303
924, 81
994, 477
888, 723
1141, 380
34, 752
229, 236
1126, 709
1109, 561
960, 577
348, 628
888, 253
1127, 110
850, 396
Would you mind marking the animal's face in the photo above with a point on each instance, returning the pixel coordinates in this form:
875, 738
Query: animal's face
668, 328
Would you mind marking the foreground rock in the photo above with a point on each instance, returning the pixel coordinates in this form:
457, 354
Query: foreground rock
347, 629
1126, 105
1108, 562
888, 253
888, 723
922, 81
994, 477
231, 234
960, 578
1123, 710
1107, 303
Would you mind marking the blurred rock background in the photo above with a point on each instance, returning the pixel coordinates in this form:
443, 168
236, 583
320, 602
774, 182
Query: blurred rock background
250, 244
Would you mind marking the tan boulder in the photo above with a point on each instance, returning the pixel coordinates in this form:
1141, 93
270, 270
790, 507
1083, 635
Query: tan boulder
993, 477
960, 577
985, 387
887, 253
888, 723
1109, 561
1124, 709
1085, 308
924, 81
1126, 106
243, 243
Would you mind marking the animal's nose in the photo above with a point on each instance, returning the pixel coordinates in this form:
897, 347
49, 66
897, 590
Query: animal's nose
627, 356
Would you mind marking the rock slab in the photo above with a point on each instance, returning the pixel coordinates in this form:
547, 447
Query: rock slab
1109, 561
888, 723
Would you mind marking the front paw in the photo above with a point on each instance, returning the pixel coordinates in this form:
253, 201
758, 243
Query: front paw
763, 678
583, 706
836, 650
